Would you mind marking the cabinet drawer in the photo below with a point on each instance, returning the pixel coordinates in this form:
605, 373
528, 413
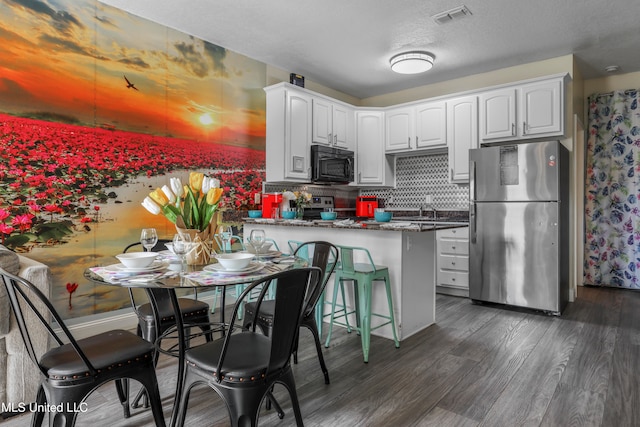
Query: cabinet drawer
456, 279
454, 233
454, 247
450, 262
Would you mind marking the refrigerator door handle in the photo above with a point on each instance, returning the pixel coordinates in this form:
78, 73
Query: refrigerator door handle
472, 201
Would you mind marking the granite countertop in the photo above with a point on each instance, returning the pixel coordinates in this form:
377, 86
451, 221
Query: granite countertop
399, 224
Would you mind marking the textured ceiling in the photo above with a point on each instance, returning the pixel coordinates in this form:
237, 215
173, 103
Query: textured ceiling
346, 44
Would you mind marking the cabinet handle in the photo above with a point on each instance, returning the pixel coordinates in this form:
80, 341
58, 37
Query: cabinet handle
416, 141
453, 279
409, 141
513, 129
330, 138
359, 177
335, 139
524, 128
453, 247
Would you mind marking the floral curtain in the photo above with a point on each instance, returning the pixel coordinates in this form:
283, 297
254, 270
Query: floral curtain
612, 206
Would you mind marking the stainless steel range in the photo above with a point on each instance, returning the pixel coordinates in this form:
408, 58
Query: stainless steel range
318, 204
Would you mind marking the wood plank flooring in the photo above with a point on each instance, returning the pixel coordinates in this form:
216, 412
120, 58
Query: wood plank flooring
479, 365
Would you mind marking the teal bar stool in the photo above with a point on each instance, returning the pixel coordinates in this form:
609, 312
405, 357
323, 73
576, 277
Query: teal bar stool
363, 275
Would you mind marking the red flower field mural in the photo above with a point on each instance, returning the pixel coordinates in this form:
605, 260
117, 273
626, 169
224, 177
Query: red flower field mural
55, 180
55, 176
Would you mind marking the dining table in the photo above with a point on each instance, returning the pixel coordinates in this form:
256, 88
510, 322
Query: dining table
171, 275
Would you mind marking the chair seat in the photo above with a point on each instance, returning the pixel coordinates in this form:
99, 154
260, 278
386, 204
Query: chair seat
188, 307
125, 348
246, 359
363, 268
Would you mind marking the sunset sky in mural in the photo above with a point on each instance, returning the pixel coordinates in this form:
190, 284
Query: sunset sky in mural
74, 63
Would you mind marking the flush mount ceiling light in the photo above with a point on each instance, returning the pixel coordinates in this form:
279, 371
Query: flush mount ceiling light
411, 62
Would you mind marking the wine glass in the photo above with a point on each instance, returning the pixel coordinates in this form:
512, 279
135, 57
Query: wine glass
148, 238
257, 239
181, 246
224, 234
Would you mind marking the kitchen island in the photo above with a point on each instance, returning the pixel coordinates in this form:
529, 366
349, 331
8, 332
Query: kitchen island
406, 248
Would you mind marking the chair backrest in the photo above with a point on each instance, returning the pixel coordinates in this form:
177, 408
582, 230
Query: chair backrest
293, 245
323, 255
159, 298
347, 253
290, 294
234, 240
27, 301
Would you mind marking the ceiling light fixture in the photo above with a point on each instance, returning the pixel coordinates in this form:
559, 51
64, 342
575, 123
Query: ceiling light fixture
411, 62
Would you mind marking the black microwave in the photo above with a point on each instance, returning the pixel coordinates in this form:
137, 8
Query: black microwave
331, 165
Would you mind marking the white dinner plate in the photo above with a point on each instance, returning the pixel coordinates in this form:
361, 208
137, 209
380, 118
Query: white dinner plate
218, 268
267, 254
155, 266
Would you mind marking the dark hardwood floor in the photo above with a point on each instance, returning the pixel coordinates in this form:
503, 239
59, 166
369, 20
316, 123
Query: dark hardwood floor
479, 365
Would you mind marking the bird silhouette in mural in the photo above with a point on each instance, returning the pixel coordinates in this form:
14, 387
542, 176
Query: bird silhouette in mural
129, 84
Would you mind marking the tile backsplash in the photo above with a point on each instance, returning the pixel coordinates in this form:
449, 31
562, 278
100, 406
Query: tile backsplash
416, 177
419, 176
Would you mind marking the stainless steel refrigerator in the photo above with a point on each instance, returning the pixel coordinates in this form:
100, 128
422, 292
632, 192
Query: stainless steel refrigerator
519, 225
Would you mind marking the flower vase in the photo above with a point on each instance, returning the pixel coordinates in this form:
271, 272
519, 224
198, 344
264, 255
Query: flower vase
202, 242
299, 212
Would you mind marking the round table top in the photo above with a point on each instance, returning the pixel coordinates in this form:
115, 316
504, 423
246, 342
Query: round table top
197, 276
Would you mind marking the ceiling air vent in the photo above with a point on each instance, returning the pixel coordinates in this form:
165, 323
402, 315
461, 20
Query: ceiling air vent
450, 15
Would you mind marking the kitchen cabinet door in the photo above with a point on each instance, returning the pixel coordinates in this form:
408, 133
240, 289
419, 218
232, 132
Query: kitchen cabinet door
431, 125
400, 125
373, 166
332, 124
498, 114
322, 122
542, 109
462, 135
343, 132
288, 137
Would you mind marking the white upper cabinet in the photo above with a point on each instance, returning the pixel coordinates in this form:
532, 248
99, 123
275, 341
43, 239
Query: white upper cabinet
431, 125
525, 111
333, 124
419, 127
373, 167
542, 109
288, 138
400, 128
462, 135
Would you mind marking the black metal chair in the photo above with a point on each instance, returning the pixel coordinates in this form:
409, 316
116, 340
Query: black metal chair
244, 366
70, 372
194, 313
323, 255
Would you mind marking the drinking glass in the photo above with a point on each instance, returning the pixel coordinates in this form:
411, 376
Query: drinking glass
224, 234
181, 246
148, 238
257, 239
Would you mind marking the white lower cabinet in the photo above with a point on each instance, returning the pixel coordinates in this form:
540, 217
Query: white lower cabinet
452, 261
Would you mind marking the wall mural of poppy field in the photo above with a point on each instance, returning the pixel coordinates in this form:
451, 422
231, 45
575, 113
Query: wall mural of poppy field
99, 107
